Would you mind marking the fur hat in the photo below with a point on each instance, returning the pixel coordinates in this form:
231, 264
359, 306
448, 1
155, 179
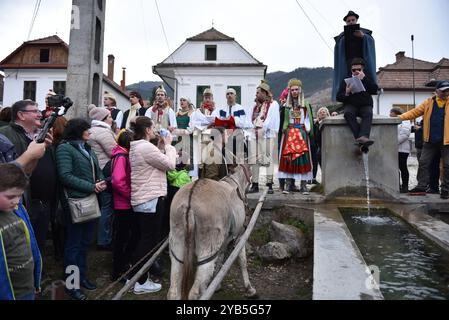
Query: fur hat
294, 83
97, 113
207, 92
109, 96
264, 86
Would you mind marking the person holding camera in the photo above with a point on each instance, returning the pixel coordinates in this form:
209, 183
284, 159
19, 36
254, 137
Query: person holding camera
149, 164
81, 176
40, 198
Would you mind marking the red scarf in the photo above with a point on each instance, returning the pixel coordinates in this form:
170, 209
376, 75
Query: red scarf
208, 106
257, 110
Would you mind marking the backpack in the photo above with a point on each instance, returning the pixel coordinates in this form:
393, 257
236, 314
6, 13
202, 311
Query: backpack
107, 170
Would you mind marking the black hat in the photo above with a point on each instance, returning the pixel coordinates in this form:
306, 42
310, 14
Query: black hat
351, 13
356, 61
443, 85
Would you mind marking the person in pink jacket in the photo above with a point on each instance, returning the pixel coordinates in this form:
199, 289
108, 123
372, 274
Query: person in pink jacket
149, 164
126, 228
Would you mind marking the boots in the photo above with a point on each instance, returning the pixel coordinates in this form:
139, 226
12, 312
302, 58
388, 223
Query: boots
303, 188
254, 188
282, 186
270, 188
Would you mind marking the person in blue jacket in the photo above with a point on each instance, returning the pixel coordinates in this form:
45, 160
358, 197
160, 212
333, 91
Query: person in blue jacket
350, 45
20, 258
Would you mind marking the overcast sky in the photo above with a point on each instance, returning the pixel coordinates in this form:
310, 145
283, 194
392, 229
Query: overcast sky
276, 32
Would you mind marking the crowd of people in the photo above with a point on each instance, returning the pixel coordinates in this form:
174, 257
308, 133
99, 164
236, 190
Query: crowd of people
128, 165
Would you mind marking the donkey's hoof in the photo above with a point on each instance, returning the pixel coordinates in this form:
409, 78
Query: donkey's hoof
252, 294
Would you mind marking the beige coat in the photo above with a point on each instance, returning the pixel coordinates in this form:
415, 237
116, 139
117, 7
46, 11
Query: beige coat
102, 141
148, 168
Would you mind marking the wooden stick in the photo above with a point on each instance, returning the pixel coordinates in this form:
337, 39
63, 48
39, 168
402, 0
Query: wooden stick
234, 254
141, 272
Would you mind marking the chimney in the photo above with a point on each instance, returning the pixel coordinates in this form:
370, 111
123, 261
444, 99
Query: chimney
400, 55
123, 82
111, 60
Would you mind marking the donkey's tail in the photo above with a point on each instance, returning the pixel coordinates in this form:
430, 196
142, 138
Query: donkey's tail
190, 258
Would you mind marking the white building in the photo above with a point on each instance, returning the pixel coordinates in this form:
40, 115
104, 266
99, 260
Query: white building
213, 60
39, 65
396, 82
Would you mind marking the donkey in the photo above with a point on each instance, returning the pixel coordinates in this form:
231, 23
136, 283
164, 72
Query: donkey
205, 217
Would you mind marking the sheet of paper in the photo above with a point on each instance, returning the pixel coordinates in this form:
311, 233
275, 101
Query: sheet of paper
356, 84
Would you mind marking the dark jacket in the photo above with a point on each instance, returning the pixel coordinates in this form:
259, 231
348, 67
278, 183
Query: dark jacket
16, 134
418, 135
360, 99
7, 150
75, 169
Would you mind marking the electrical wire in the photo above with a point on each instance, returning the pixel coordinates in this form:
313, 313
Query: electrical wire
33, 19
316, 29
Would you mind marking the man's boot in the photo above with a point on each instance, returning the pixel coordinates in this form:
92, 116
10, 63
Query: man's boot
270, 188
303, 188
254, 188
282, 186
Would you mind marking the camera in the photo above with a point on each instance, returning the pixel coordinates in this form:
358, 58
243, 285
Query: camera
59, 101
61, 105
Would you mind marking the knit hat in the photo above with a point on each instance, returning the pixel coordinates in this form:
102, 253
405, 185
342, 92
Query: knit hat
98, 113
264, 86
294, 83
110, 96
207, 92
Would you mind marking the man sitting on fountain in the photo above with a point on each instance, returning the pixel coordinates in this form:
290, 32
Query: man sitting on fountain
358, 102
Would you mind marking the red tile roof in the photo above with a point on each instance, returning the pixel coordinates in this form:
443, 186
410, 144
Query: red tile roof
399, 75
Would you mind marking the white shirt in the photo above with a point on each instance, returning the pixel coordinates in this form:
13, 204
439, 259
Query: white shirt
171, 116
242, 115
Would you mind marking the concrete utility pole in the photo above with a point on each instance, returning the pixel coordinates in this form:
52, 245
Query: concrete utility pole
85, 64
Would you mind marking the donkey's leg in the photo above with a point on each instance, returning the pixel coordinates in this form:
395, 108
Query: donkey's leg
174, 293
250, 291
203, 277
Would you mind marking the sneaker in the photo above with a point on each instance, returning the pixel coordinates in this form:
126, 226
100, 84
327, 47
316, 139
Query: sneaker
148, 287
304, 191
444, 195
285, 191
417, 191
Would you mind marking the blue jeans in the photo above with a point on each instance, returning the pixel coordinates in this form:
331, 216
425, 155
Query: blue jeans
104, 232
79, 237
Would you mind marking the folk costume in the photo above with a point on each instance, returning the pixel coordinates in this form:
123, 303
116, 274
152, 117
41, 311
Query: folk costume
263, 139
296, 124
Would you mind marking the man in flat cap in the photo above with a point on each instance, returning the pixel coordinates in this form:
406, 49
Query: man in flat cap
435, 113
354, 42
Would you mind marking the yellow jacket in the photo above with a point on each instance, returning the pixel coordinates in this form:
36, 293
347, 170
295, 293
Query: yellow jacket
425, 110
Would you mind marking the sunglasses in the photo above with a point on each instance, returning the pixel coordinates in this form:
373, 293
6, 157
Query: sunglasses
356, 69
